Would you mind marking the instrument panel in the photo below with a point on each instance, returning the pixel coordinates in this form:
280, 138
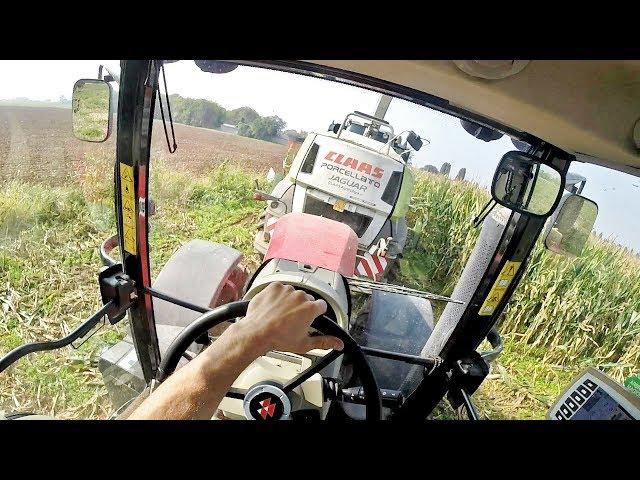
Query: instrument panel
595, 396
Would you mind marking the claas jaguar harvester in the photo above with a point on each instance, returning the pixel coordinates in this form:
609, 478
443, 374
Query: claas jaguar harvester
358, 174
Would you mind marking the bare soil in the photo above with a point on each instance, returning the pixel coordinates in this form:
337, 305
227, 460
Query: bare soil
37, 146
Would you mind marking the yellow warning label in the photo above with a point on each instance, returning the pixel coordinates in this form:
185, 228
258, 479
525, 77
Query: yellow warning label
339, 205
128, 208
499, 288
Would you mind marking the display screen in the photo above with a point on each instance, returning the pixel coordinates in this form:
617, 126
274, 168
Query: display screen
601, 406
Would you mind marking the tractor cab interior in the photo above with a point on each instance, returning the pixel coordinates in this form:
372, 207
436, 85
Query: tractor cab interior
335, 225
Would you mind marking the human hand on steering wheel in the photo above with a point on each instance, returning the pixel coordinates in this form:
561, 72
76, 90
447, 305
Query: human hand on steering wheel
278, 318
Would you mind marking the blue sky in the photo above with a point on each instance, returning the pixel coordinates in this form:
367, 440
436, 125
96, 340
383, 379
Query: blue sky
312, 104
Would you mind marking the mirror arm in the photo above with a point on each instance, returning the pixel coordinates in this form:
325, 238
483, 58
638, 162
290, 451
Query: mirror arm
111, 77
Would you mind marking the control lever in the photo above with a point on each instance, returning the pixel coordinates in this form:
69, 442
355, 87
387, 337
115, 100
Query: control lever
390, 398
334, 391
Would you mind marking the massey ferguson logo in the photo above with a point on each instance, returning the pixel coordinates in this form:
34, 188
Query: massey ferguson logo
362, 167
266, 408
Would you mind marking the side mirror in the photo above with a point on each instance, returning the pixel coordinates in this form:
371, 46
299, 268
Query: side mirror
92, 110
572, 224
334, 127
525, 185
414, 140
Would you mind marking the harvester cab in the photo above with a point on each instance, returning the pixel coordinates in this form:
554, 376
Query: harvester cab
328, 229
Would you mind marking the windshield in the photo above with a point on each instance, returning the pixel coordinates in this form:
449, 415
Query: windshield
259, 125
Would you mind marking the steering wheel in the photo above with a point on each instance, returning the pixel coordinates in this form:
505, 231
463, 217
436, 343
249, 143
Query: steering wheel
277, 393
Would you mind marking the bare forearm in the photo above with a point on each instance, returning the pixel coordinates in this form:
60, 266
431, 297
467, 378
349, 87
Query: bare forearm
278, 318
195, 390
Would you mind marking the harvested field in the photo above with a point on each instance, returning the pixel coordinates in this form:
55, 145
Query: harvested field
37, 146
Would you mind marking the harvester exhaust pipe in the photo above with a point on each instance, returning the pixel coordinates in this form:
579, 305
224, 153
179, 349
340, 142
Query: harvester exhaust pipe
383, 106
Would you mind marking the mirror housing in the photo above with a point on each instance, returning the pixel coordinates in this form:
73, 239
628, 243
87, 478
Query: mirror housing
485, 134
520, 145
92, 110
334, 127
526, 185
215, 66
414, 140
575, 183
570, 226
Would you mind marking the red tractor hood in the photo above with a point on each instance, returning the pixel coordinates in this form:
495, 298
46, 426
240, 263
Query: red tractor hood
313, 240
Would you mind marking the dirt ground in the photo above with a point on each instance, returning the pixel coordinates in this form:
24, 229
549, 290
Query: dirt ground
36, 145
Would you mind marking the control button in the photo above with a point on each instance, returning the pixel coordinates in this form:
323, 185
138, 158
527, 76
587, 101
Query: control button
559, 416
590, 385
565, 410
584, 391
579, 399
572, 405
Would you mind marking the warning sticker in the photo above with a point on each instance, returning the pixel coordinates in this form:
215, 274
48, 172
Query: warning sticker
499, 288
128, 208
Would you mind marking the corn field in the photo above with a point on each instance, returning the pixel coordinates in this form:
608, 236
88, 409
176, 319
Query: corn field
567, 312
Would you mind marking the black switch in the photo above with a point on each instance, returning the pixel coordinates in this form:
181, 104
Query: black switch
579, 399
584, 391
590, 385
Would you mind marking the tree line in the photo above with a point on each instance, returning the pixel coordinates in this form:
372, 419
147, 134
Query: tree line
208, 114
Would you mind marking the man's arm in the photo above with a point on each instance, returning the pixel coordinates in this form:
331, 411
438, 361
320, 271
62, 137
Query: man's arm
278, 318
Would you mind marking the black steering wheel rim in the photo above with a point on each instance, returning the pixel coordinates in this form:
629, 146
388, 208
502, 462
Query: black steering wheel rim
323, 324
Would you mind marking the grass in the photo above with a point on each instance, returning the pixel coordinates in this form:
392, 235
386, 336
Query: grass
48, 266
566, 314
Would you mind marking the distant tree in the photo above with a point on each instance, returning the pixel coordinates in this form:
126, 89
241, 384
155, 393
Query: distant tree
266, 128
244, 129
195, 112
242, 115
208, 114
295, 133
262, 128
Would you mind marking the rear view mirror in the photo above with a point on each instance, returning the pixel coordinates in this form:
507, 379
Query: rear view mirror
214, 66
485, 134
571, 225
91, 114
525, 185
